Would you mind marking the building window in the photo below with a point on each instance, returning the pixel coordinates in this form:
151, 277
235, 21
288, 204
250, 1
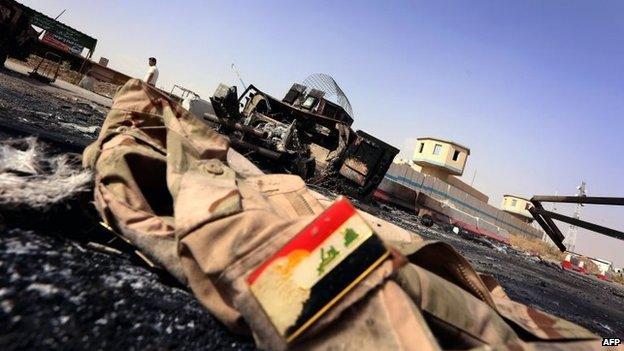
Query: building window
456, 155
437, 149
514, 202
422, 146
308, 103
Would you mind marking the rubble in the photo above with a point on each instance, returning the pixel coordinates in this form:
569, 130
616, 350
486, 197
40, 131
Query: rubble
77, 306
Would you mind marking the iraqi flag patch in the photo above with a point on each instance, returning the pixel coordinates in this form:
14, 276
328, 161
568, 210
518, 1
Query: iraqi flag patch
316, 268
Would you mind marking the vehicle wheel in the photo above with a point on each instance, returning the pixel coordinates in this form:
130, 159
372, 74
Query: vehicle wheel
426, 220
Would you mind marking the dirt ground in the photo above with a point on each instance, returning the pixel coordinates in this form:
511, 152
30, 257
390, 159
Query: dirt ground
56, 291
66, 74
60, 112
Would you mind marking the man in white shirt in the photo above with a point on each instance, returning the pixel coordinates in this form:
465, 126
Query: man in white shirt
152, 73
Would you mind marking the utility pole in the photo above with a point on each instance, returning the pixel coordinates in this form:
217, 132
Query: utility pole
474, 175
238, 75
570, 239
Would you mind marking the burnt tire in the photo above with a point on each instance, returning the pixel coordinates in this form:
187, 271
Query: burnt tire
426, 220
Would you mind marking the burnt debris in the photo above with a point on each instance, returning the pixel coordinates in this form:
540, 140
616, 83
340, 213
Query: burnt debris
304, 133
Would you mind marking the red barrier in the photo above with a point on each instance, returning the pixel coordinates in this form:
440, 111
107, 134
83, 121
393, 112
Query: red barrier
567, 264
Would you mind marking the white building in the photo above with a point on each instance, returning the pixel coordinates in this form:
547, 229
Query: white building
603, 265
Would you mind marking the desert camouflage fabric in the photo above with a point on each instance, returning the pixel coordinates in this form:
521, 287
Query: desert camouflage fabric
169, 184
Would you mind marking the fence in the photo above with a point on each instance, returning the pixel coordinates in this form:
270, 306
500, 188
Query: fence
402, 184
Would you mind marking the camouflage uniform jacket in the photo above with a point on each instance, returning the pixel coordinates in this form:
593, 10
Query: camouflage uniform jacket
166, 182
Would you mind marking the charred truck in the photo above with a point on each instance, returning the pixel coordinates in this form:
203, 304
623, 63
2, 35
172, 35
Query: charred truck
17, 36
304, 133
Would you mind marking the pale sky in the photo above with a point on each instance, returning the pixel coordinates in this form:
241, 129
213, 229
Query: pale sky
534, 88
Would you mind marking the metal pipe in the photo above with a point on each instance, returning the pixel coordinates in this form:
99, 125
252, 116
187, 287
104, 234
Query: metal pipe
594, 200
547, 229
583, 224
237, 126
537, 207
262, 151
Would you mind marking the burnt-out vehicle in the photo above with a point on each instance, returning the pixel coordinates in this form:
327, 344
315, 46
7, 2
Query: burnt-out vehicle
305, 133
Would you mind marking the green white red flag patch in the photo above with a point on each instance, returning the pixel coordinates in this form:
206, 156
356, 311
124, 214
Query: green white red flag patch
316, 268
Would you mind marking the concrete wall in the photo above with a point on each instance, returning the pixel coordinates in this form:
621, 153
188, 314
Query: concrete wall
452, 180
403, 184
106, 74
458, 183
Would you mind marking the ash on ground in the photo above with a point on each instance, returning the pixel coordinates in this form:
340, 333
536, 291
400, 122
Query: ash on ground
28, 107
57, 291
59, 294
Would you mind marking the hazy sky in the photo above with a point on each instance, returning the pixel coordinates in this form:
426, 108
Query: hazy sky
534, 88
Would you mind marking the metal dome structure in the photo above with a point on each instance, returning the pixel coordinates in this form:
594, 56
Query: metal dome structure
326, 83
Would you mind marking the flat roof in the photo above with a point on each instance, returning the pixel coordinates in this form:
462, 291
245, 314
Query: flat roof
446, 141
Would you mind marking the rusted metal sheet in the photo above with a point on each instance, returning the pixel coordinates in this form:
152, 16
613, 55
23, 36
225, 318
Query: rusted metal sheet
352, 175
357, 165
369, 158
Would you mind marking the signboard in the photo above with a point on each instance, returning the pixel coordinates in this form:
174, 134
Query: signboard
57, 42
60, 35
